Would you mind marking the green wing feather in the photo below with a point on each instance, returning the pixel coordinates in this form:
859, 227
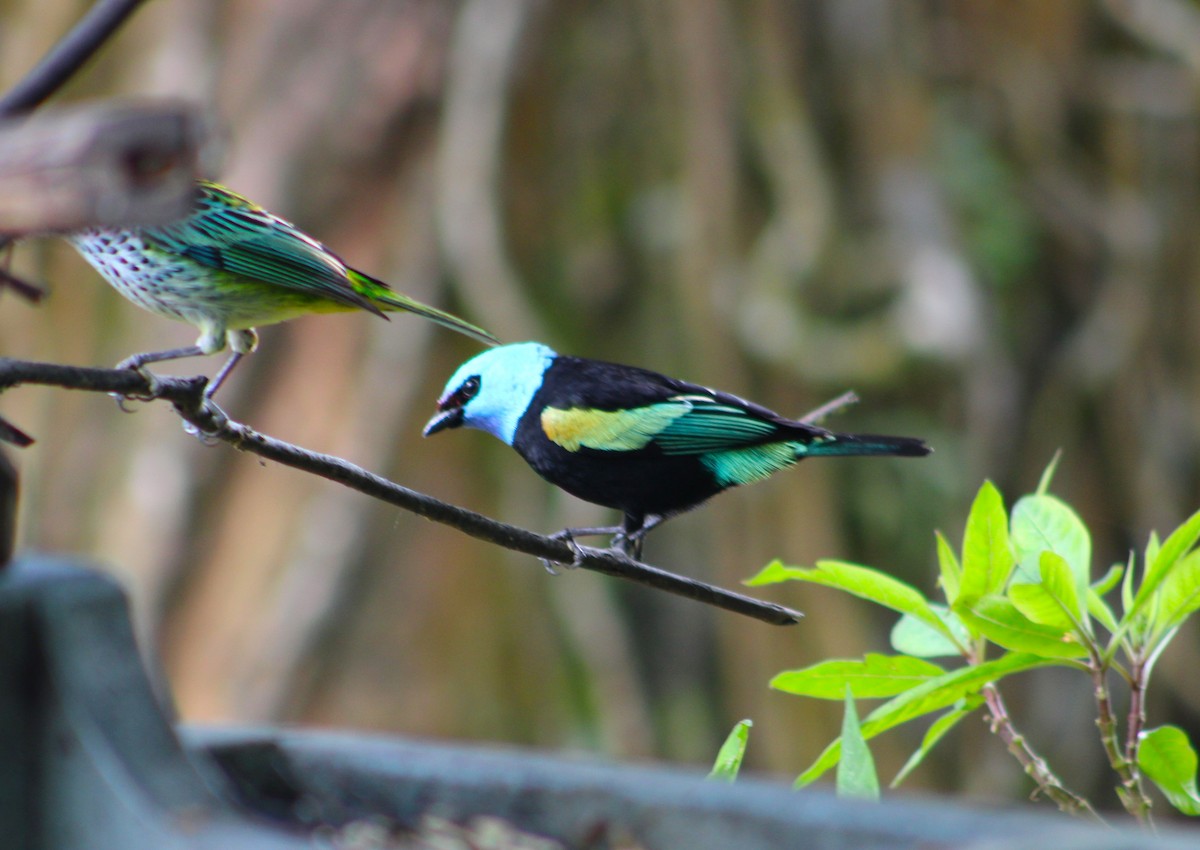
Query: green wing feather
229, 233
683, 425
608, 430
232, 234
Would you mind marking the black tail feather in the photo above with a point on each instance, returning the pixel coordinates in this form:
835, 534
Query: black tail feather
847, 445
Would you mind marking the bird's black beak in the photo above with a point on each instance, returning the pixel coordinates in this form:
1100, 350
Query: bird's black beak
449, 418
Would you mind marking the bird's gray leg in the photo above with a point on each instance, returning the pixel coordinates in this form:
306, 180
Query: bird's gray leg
137, 361
219, 378
241, 341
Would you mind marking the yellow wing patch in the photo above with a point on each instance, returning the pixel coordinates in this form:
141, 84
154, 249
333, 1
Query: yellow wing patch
609, 430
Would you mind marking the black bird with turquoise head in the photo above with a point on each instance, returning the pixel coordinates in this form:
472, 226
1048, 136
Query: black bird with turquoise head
632, 439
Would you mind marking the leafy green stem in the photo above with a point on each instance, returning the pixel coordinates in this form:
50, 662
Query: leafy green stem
1034, 765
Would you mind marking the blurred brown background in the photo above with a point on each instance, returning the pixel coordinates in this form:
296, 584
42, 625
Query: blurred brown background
982, 216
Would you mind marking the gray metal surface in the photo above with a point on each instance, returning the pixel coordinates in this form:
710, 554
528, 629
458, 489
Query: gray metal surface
91, 761
334, 777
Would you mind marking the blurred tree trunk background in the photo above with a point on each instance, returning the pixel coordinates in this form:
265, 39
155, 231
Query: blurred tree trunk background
982, 216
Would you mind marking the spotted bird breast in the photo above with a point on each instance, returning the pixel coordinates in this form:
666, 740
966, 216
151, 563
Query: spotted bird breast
178, 287
152, 279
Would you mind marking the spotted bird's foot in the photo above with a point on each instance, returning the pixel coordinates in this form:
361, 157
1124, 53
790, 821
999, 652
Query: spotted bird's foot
208, 422
154, 388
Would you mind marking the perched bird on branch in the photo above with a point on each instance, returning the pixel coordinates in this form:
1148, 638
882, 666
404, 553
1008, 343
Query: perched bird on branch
631, 439
230, 267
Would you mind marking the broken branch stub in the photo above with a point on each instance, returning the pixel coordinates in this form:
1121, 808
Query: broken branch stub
107, 164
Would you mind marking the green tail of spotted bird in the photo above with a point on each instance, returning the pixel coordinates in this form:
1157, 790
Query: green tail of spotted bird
386, 299
849, 445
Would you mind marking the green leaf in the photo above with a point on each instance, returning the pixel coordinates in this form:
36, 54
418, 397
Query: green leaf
863, 582
1173, 549
1109, 580
912, 636
729, 757
856, 776
935, 733
948, 568
1153, 545
1060, 583
987, 555
773, 573
1127, 579
1048, 474
1099, 609
930, 696
1037, 603
1166, 756
1041, 523
875, 676
1096, 606
998, 619
1179, 594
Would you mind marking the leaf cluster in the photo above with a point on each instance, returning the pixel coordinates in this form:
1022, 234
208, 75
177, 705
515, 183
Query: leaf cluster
1017, 596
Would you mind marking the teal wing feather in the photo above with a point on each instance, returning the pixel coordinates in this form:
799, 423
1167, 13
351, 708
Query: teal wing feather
710, 425
229, 233
738, 444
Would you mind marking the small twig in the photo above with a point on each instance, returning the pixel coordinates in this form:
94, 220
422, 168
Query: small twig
1035, 766
187, 395
11, 434
830, 407
67, 56
24, 288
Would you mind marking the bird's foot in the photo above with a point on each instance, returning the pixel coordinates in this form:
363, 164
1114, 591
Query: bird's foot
208, 423
629, 545
568, 535
153, 386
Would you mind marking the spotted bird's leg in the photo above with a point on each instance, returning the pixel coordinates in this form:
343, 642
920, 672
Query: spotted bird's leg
242, 342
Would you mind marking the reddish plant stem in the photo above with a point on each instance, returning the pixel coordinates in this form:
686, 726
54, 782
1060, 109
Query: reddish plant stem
1035, 766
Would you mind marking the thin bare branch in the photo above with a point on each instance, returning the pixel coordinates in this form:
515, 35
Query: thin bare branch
67, 56
107, 164
24, 288
186, 394
10, 433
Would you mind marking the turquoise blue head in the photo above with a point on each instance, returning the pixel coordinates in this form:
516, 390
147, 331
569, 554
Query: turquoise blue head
492, 390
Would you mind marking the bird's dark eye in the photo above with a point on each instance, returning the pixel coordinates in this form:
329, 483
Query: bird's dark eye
465, 391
